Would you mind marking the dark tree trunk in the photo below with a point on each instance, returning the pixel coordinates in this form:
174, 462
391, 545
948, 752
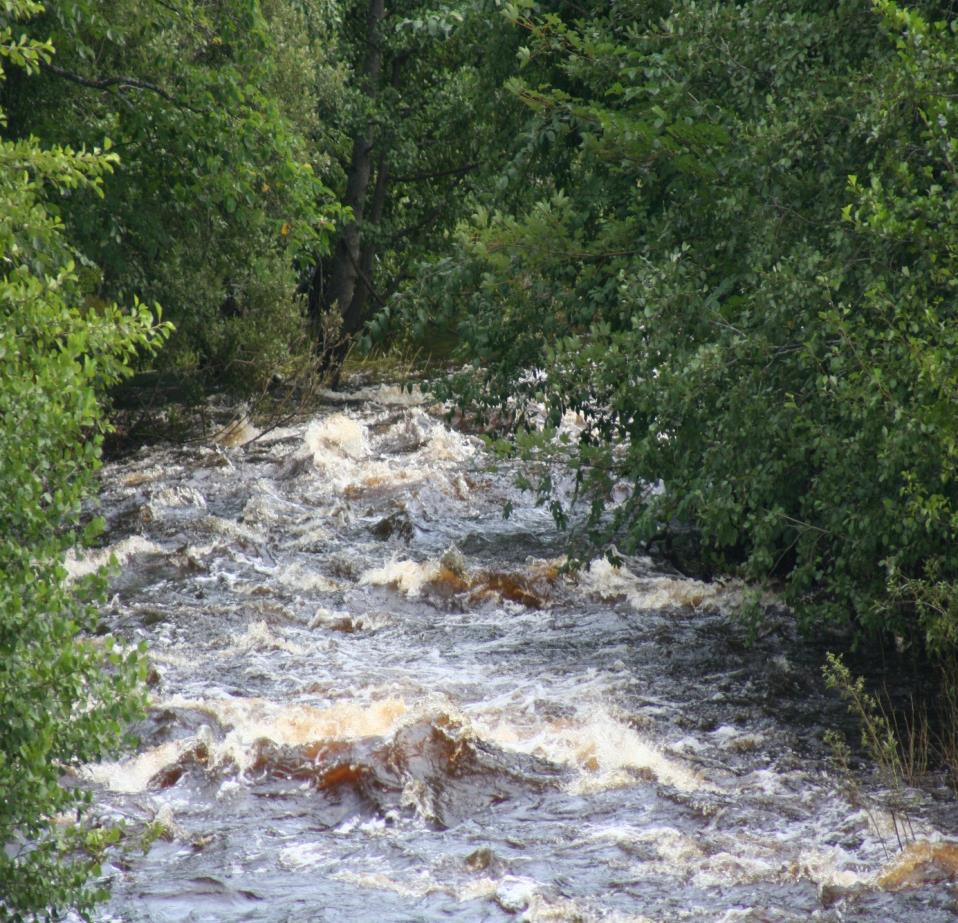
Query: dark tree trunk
356, 316
346, 289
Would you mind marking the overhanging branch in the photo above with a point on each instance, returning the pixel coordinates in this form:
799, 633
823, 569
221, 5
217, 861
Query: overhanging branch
118, 82
437, 174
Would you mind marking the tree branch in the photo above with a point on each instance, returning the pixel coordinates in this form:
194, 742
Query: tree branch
367, 282
429, 219
452, 171
107, 83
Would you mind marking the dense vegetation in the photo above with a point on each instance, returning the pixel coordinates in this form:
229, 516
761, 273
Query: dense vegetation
211, 109
63, 696
733, 257
722, 233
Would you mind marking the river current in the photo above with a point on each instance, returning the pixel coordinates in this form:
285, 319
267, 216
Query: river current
374, 698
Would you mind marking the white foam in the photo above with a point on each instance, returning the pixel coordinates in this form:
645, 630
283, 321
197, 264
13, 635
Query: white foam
165, 818
338, 447
519, 894
262, 507
687, 744
335, 435
417, 795
607, 581
416, 889
607, 752
833, 867
675, 848
411, 432
735, 859
178, 497
735, 740
448, 446
386, 395
199, 552
228, 789
231, 529
81, 564
134, 774
888, 825
407, 576
572, 424
297, 576
542, 909
308, 536
250, 720
144, 476
259, 637
766, 781
342, 620
237, 433
307, 855
723, 868
172, 658
300, 724
479, 889
737, 915
514, 893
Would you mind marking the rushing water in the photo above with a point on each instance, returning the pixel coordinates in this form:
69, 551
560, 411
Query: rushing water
376, 699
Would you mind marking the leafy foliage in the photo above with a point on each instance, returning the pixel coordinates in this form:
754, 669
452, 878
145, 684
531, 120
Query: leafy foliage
63, 696
422, 124
218, 195
733, 258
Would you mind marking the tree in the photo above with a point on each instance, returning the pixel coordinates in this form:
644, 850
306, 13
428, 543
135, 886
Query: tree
417, 133
349, 259
218, 195
733, 261
63, 695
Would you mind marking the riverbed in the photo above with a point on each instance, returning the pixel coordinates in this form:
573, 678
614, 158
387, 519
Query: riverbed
376, 698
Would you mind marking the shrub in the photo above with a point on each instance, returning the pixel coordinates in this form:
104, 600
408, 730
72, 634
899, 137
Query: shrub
64, 696
741, 271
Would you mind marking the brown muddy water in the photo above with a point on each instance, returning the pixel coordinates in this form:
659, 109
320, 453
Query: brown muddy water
375, 699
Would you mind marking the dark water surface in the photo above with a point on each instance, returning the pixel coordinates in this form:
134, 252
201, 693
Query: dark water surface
377, 700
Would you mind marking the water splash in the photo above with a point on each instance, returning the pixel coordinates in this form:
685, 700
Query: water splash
373, 693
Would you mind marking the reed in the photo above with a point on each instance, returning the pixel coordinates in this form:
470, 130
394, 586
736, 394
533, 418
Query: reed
898, 765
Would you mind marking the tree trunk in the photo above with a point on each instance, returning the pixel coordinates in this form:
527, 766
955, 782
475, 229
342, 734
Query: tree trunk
356, 315
346, 291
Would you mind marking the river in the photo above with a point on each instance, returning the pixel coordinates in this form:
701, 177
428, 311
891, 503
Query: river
374, 698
